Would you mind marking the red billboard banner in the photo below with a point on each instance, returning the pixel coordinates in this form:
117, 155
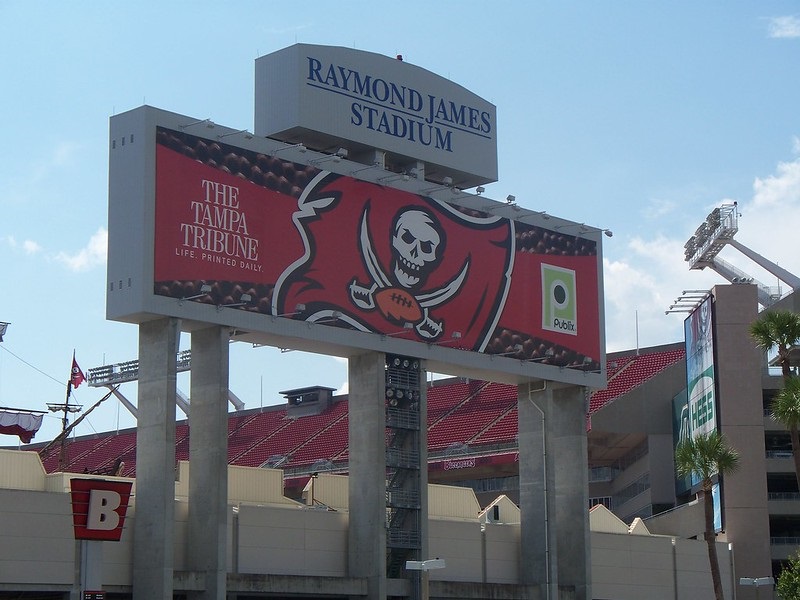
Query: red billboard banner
99, 507
235, 227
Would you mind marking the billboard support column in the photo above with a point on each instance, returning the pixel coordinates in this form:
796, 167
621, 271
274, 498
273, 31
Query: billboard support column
367, 481
536, 489
154, 525
208, 459
567, 432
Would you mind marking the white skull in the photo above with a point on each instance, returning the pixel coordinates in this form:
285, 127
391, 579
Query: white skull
415, 246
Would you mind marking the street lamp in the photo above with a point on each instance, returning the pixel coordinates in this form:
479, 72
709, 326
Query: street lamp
757, 582
424, 567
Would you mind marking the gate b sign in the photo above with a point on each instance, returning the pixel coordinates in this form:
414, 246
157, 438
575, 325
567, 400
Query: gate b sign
99, 507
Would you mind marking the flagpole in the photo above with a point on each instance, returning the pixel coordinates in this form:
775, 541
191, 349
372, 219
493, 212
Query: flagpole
75, 377
62, 456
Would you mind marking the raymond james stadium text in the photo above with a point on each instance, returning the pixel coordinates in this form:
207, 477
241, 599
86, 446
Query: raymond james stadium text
398, 110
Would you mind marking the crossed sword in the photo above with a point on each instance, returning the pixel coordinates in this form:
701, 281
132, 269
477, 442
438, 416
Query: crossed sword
363, 296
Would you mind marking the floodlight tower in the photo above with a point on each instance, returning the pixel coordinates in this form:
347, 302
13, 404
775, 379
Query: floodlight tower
713, 235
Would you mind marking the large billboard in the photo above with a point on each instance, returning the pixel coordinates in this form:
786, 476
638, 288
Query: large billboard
260, 236
696, 412
326, 96
700, 370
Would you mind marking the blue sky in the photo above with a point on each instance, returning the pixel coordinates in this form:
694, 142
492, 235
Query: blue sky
638, 117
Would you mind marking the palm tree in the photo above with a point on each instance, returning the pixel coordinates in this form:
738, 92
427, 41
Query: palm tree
786, 409
704, 456
779, 330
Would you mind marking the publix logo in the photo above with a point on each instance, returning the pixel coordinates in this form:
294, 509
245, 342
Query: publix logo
559, 300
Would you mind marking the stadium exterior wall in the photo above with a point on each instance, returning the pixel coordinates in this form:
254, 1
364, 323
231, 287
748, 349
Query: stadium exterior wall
302, 550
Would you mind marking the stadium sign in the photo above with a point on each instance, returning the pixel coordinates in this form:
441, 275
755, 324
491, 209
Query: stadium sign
99, 507
363, 101
307, 250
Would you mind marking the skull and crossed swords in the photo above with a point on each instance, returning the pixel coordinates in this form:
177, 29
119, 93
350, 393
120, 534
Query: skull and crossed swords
417, 249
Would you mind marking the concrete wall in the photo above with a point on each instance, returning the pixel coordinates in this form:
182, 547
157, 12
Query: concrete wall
38, 551
291, 541
631, 567
745, 509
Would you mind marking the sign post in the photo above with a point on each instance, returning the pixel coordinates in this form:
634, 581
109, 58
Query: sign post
424, 567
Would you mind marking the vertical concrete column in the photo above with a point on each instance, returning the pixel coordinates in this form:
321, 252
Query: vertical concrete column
367, 481
155, 460
423, 462
538, 551
208, 461
567, 436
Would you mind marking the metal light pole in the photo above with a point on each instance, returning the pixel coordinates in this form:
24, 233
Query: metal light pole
757, 582
424, 566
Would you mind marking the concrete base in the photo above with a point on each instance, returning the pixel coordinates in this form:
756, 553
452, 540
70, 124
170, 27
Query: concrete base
208, 457
155, 460
367, 492
554, 490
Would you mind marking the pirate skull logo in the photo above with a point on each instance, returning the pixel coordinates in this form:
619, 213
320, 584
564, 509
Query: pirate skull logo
417, 247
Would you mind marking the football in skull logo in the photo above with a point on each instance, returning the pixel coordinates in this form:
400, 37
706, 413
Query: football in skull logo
398, 305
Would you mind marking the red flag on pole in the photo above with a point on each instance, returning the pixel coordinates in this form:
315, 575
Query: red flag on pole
76, 377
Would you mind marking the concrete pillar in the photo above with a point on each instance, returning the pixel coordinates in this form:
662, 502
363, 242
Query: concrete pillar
208, 461
538, 566
367, 481
567, 432
153, 538
554, 490
423, 463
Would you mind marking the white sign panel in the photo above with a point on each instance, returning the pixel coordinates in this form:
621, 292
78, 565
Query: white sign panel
336, 96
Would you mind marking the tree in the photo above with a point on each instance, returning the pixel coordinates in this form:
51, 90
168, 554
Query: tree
778, 330
705, 456
785, 408
788, 586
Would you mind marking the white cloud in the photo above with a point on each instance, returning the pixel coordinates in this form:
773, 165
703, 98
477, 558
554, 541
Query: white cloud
27, 246
91, 255
31, 247
647, 276
641, 286
784, 27
64, 153
657, 208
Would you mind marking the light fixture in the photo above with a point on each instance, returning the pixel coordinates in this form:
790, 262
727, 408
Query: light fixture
374, 165
334, 316
456, 335
209, 123
406, 328
335, 157
425, 565
584, 363
479, 190
395, 177
297, 310
511, 198
3, 329
205, 289
550, 353
756, 582
517, 349
299, 147
243, 299
608, 232
246, 134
